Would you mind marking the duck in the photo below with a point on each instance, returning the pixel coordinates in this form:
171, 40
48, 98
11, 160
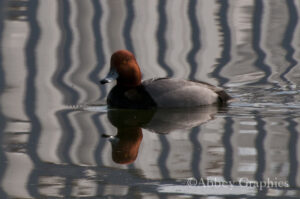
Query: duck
130, 92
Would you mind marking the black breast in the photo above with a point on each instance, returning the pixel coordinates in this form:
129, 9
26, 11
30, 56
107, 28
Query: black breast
134, 98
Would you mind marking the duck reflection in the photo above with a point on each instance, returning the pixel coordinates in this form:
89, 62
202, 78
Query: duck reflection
129, 123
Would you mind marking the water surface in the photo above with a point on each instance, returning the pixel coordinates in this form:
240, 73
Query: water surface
58, 138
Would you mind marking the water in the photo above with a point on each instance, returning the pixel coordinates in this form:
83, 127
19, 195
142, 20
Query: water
58, 138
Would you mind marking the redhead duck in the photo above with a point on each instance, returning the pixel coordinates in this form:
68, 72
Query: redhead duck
132, 92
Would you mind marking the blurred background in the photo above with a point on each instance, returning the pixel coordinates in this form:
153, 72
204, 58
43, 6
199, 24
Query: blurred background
53, 113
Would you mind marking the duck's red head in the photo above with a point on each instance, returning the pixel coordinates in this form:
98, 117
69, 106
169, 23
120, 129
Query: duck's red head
124, 68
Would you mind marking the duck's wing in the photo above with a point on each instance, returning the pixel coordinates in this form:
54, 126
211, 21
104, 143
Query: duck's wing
172, 92
223, 96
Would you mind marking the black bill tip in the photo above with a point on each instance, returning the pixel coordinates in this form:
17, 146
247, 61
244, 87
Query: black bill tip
104, 81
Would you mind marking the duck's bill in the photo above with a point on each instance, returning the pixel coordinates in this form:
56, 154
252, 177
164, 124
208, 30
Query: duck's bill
111, 76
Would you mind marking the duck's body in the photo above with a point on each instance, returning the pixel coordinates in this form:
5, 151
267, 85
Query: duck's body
131, 92
166, 93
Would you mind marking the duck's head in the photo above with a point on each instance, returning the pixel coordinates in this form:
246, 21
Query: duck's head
124, 68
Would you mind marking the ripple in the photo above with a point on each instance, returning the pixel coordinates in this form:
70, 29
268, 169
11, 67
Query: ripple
101, 108
207, 190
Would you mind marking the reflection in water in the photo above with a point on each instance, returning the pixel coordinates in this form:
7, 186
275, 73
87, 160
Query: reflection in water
54, 52
125, 144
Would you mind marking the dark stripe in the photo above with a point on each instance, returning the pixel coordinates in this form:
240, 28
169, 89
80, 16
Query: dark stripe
3, 159
225, 31
162, 160
293, 142
195, 38
288, 37
128, 25
67, 137
228, 158
30, 99
197, 153
160, 35
69, 183
257, 21
261, 156
101, 60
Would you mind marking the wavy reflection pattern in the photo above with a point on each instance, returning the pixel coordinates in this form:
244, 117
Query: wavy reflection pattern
54, 52
3, 158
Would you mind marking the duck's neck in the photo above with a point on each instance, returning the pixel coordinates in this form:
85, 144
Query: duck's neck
132, 79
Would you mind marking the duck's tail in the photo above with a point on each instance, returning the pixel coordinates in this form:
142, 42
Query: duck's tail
224, 98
